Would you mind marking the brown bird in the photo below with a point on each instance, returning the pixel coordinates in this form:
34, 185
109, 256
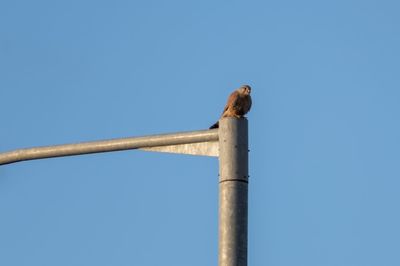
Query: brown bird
239, 103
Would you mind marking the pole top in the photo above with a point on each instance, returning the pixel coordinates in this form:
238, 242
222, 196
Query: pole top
233, 149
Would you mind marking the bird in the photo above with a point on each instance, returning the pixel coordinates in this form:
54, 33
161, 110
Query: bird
238, 104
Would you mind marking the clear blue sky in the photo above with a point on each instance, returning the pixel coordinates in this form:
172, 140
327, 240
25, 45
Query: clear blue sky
324, 130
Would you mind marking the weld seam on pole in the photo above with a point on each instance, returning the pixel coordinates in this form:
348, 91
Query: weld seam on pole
234, 180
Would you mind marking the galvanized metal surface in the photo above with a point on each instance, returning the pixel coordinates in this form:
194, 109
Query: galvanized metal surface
230, 142
108, 145
233, 191
209, 148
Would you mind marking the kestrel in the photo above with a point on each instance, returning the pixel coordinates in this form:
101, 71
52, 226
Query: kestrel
239, 103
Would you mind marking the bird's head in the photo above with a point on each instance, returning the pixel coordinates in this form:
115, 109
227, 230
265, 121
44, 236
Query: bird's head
245, 89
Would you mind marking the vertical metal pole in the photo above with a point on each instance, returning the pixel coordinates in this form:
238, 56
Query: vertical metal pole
233, 191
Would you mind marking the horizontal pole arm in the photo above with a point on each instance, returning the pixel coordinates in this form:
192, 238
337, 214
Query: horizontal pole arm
108, 145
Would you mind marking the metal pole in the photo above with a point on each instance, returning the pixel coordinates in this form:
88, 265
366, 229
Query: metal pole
233, 191
108, 145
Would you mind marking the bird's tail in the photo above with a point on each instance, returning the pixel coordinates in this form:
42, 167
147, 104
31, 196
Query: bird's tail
216, 125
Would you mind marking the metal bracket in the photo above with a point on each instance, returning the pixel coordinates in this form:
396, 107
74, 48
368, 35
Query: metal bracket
209, 148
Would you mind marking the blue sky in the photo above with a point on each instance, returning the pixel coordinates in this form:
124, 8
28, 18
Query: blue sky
324, 130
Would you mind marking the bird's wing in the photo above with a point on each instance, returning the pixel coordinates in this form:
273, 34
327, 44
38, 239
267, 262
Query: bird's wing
232, 101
